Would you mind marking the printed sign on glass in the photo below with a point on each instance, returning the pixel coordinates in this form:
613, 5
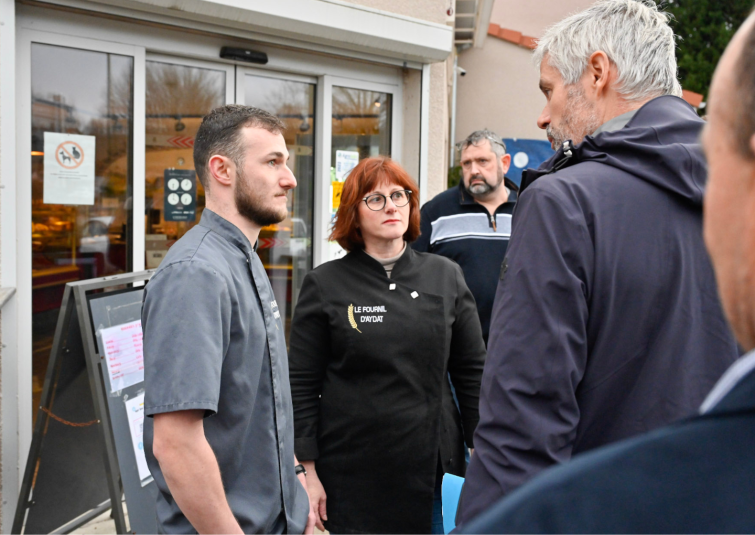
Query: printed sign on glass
69, 169
346, 160
180, 195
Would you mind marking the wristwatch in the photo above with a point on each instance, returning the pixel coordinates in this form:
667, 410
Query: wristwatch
300, 470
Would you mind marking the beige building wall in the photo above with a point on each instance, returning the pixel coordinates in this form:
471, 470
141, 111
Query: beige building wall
438, 128
500, 90
431, 11
533, 17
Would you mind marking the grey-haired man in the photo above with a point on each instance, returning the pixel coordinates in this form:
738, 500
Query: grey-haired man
606, 322
694, 476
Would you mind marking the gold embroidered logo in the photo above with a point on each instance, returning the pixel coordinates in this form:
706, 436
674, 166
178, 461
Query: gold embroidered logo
351, 318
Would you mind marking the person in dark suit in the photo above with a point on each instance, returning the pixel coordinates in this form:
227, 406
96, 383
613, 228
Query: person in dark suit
698, 475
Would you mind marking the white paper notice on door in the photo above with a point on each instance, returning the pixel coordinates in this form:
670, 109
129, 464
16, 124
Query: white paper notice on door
123, 354
69, 169
346, 160
135, 411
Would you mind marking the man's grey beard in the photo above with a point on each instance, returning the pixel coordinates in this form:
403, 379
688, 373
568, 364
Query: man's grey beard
252, 207
484, 189
579, 120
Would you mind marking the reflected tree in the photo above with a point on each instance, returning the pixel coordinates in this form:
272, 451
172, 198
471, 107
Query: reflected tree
177, 92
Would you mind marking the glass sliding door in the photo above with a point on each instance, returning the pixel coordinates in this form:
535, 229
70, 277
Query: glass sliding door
177, 98
82, 179
361, 125
286, 248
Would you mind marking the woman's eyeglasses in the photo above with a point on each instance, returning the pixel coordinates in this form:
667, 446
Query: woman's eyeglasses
376, 201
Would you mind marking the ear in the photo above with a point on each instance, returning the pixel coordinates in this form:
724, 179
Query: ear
752, 143
505, 162
222, 169
599, 71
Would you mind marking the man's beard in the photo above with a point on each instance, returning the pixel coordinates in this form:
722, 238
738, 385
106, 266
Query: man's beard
483, 189
252, 206
579, 120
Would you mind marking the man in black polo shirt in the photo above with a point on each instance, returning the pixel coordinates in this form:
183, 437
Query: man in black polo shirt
471, 224
219, 439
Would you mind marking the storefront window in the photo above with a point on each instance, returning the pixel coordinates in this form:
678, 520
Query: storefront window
286, 248
178, 97
82, 179
361, 128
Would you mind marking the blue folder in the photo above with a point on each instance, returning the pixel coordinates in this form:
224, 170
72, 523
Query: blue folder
450, 492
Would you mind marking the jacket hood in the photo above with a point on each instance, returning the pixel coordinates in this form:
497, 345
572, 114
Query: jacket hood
660, 145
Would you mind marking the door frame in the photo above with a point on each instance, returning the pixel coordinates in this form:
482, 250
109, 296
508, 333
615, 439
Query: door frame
323, 146
25, 38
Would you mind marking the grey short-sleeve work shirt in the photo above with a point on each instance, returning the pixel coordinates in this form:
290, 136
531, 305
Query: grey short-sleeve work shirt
214, 340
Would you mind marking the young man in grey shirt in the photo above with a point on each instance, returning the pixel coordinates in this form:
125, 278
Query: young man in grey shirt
219, 438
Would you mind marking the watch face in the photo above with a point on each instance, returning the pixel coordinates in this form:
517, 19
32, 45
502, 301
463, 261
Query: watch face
185, 199
186, 184
173, 184
173, 198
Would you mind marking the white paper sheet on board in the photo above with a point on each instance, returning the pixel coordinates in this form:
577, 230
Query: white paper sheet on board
69, 169
122, 345
135, 410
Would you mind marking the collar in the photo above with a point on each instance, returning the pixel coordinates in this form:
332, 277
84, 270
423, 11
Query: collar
617, 123
361, 256
728, 382
466, 199
391, 260
227, 230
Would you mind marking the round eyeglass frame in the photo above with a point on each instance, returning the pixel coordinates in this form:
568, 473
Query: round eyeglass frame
407, 192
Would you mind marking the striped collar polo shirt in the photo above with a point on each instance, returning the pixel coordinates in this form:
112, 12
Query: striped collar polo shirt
456, 226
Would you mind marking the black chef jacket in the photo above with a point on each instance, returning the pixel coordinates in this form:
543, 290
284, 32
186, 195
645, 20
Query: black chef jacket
369, 363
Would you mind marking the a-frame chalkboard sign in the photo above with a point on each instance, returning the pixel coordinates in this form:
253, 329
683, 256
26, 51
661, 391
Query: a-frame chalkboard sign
84, 456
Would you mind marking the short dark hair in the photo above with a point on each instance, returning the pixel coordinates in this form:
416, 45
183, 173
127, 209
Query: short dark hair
220, 133
744, 122
368, 174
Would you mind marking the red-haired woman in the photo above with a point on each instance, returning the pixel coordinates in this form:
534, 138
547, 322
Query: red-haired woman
374, 338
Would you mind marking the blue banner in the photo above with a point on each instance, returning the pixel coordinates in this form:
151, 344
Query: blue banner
526, 154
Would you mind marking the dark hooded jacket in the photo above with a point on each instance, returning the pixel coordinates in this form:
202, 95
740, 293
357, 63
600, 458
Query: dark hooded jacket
607, 321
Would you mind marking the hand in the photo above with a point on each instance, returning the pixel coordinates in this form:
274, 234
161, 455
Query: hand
317, 496
311, 517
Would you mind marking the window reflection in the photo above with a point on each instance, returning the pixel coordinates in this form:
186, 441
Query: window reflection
286, 248
361, 128
361, 122
178, 97
78, 92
